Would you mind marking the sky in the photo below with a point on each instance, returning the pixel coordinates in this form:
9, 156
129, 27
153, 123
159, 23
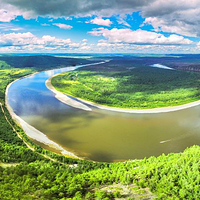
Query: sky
106, 26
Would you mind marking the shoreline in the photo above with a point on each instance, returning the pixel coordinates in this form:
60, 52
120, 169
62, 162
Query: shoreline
143, 111
122, 110
32, 132
64, 98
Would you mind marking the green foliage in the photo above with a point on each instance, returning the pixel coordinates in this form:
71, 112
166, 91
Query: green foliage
136, 88
39, 62
19, 182
11, 147
173, 176
170, 177
4, 65
9, 75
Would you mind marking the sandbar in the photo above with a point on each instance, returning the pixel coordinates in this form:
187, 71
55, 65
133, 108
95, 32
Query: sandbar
123, 110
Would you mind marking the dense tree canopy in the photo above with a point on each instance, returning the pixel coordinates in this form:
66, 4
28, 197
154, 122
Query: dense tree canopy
132, 87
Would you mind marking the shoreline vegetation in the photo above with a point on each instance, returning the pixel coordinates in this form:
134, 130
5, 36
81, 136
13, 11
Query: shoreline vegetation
32, 132
63, 97
74, 85
13, 139
37, 135
172, 176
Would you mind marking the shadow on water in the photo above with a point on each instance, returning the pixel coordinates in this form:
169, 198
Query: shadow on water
103, 135
102, 156
64, 121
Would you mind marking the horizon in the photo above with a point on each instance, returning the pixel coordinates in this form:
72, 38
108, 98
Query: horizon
94, 53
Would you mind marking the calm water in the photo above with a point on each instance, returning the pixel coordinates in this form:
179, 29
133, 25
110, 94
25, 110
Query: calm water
102, 135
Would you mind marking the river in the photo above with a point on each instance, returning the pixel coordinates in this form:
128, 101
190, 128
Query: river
101, 135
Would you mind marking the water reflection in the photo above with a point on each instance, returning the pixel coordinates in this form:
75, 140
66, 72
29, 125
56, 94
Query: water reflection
102, 135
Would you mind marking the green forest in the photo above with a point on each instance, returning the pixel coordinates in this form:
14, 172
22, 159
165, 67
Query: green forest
134, 88
39, 62
29, 172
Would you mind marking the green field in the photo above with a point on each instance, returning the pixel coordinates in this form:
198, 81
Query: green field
136, 88
41, 174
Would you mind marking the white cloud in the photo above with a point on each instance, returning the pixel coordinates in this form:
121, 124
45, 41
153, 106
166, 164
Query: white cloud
138, 37
106, 46
171, 16
63, 26
85, 48
29, 42
198, 45
122, 21
45, 24
178, 27
17, 39
9, 27
100, 21
68, 8
9, 12
6, 16
180, 17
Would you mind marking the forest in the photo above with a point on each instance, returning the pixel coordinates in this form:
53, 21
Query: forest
39, 62
135, 87
36, 173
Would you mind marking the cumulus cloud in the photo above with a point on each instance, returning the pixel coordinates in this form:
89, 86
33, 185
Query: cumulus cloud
63, 26
106, 46
17, 39
100, 21
122, 21
138, 37
77, 7
28, 41
180, 17
6, 16
178, 27
168, 7
9, 12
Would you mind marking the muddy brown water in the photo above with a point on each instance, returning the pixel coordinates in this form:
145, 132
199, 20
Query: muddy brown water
102, 135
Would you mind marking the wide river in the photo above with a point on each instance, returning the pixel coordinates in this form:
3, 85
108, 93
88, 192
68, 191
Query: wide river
98, 134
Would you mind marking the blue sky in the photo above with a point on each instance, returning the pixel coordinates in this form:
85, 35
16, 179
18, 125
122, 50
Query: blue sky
154, 26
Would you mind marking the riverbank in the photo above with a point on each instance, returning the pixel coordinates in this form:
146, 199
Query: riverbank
63, 97
30, 131
145, 111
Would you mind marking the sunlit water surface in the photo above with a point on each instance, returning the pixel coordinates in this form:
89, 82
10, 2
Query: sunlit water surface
102, 135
